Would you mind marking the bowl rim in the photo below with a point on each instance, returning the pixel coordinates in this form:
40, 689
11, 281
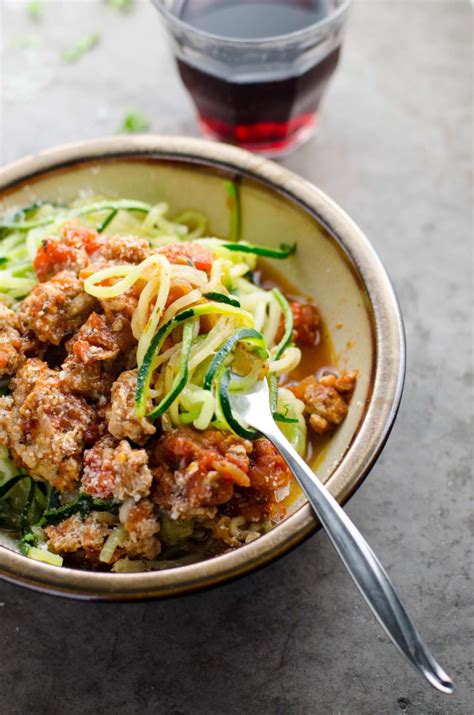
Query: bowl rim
375, 425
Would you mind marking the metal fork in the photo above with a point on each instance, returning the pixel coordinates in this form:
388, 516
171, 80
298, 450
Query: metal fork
362, 564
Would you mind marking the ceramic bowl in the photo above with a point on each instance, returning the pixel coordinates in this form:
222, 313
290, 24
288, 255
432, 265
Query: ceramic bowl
335, 264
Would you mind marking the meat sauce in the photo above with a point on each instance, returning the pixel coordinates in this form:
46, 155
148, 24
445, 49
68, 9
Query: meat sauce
74, 425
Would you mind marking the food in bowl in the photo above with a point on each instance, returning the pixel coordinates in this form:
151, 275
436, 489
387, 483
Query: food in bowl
122, 332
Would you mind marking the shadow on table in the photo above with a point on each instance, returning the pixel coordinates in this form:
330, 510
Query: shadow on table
267, 643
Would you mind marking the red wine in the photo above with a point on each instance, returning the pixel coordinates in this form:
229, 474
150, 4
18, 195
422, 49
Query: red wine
265, 112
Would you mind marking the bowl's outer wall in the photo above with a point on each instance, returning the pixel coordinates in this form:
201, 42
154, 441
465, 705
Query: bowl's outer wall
336, 266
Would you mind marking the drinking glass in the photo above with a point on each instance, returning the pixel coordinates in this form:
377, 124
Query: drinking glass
260, 93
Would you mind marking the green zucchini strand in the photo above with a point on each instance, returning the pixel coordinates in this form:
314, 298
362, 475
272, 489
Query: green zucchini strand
226, 408
248, 335
182, 377
233, 202
284, 252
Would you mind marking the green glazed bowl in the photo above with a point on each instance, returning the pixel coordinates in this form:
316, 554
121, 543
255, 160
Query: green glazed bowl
334, 263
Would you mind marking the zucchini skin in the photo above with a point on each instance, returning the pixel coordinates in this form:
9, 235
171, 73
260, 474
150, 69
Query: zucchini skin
168, 400
222, 298
233, 202
5, 488
122, 204
232, 422
284, 252
246, 335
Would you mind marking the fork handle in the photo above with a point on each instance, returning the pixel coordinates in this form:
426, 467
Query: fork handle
364, 567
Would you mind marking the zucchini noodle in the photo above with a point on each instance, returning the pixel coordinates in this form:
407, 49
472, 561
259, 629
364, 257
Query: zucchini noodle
273, 320
287, 363
199, 404
233, 203
219, 273
158, 288
193, 297
195, 221
216, 307
293, 408
163, 358
214, 339
180, 380
192, 275
128, 274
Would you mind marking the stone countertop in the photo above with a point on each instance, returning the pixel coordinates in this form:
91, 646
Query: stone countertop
294, 638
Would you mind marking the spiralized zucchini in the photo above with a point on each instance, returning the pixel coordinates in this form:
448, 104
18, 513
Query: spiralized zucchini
222, 328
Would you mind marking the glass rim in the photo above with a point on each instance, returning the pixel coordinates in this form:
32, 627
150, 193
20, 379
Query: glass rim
254, 41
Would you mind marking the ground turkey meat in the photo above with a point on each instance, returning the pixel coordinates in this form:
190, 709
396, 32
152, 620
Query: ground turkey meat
56, 308
75, 533
98, 427
188, 254
65, 253
15, 345
89, 535
142, 526
122, 417
44, 426
11, 355
196, 472
11, 343
306, 324
326, 400
119, 249
98, 352
122, 305
268, 474
116, 471
78, 246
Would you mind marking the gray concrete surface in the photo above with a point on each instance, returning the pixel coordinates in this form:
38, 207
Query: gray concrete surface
394, 150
